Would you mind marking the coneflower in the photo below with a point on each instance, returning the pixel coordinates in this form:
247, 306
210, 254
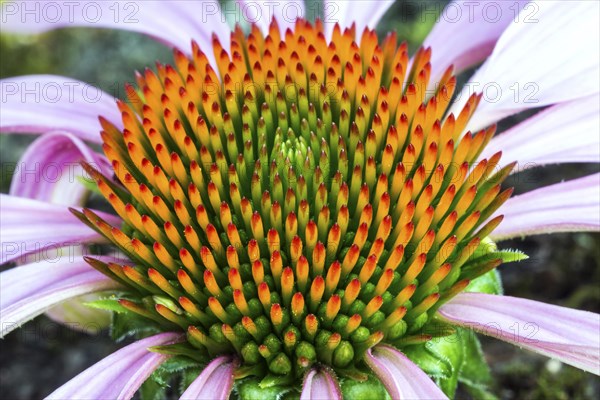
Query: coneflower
296, 210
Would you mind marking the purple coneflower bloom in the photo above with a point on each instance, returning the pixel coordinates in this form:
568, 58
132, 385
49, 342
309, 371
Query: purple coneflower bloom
303, 203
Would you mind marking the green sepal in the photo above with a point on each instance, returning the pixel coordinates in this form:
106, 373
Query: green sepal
475, 373
489, 283
429, 361
152, 390
130, 324
172, 366
511, 255
108, 304
250, 389
188, 376
449, 349
182, 349
275, 380
370, 389
488, 251
441, 358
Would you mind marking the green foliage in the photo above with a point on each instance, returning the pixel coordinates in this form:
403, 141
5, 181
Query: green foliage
128, 324
453, 359
489, 283
152, 390
475, 373
177, 368
371, 389
109, 304
250, 389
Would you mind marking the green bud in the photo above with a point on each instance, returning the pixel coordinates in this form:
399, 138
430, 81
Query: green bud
397, 330
343, 354
376, 318
272, 343
216, 334
360, 335
281, 364
167, 302
306, 350
340, 322
250, 353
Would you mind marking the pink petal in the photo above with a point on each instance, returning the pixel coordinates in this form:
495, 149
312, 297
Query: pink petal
473, 29
543, 59
569, 335
49, 169
364, 13
29, 226
319, 384
29, 290
43, 103
174, 23
215, 382
119, 375
542, 139
564, 207
400, 376
260, 12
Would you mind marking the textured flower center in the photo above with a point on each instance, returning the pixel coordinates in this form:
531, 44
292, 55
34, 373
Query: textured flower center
299, 205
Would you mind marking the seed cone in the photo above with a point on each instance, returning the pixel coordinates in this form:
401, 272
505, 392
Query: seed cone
300, 204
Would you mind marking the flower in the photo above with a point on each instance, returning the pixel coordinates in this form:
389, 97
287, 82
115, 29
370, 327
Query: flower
294, 206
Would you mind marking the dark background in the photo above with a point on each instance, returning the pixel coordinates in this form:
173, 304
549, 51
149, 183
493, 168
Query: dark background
563, 269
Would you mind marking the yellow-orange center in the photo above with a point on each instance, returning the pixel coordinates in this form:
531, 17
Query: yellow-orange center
300, 203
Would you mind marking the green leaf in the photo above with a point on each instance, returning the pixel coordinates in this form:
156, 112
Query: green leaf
250, 389
171, 368
187, 377
475, 373
182, 349
488, 251
110, 304
152, 390
449, 350
511, 255
130, 324
489, 283
371, 389
428, 361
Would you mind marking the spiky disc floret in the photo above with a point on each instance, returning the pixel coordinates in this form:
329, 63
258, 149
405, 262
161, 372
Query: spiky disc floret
303, 207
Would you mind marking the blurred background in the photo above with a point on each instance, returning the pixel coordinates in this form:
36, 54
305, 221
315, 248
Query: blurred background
563, 269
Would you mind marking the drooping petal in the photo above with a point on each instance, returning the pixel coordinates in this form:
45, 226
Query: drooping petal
75, 314
43, 103
29, 226
174, 23
473, 28
525, 72
566, 132
364, 13
400, 376
319, 384
29, 290
261, 13
119, 375
571, 336
564, 207
215, 381
49, 169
